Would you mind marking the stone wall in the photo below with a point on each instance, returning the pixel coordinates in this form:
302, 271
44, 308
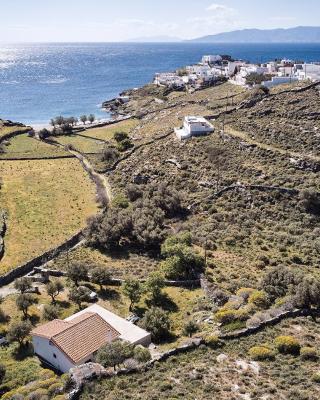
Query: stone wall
38, 261
13, 134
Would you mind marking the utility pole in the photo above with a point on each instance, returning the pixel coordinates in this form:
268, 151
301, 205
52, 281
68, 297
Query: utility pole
68, 259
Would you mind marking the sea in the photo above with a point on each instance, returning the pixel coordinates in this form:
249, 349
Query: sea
39, 81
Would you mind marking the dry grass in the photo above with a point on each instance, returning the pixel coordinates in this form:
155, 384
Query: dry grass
23, 146
93, 140
46, 202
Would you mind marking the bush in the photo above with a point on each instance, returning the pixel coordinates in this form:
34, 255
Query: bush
55, 389
228, 316
309, 353
39, 394
316, 377
124, 145
157, 322
141, 354
259, 298
120, 201
212, 341
190, 328
120, 136
287, 345
245, 293
2, 373
50, 312
261, 353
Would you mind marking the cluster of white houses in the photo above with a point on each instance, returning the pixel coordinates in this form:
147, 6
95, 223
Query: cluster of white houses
213, 67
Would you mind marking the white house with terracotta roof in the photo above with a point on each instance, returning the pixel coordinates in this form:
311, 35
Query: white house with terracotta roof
64, 344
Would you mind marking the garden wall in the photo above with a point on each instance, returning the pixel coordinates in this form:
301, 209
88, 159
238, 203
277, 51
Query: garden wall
38, 261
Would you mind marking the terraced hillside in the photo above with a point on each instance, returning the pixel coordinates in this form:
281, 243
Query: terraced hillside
226, 373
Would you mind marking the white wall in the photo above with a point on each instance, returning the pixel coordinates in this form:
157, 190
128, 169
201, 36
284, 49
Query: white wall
47, 351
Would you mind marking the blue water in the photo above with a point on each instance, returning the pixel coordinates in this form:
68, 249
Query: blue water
40, 81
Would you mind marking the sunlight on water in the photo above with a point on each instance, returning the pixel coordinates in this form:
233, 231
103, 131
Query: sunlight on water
40, 81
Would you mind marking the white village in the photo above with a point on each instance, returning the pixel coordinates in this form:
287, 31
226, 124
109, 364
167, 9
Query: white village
213, 68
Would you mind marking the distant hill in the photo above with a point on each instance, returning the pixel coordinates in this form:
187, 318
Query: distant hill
300, 34
155, 39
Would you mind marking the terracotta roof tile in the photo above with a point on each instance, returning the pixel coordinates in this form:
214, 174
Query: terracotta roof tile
79, 337
85, 337
50, 329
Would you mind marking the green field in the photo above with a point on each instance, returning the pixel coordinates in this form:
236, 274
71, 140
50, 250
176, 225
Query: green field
23, 146
4, 130
46, 202
93, 140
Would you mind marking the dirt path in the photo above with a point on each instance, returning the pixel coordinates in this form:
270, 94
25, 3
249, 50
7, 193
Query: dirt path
97, 177
244, 136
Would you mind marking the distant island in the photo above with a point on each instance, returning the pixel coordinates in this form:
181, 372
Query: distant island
300, 34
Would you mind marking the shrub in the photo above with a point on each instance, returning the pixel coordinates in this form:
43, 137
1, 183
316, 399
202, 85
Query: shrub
114, 353
124, 145
309, 353
261, 353
287, 345
141, 354
120, 201
2, 373
157, 322
120, 136
316, 377
190, 328
228, 316
50, 312
245, 293
39, 394
212, 341
55, 389
259, 298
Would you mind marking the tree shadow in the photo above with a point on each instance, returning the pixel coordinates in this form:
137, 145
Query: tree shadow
63, 303
109, 294
34, 319
22, 352
163, 301
139, 311
170, 338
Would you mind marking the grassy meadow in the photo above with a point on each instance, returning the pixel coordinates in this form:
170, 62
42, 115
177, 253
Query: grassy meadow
23, 146
93, 140
46, 202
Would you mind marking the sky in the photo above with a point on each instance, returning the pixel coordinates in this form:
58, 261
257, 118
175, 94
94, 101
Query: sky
112, 21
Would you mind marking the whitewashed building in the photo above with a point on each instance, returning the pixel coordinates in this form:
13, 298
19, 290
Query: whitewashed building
170, 79
211, 59
193, 126
64, 344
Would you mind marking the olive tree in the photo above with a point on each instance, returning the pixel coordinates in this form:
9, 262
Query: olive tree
77, 272
100, 276
22, 284
19, 331
24, 301
53, 289
78, 295
114, 353
133, 290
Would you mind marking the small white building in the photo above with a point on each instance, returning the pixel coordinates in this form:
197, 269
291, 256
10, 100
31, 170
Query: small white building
194, 126
211, 59
279, 80
170, 79
64, 344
